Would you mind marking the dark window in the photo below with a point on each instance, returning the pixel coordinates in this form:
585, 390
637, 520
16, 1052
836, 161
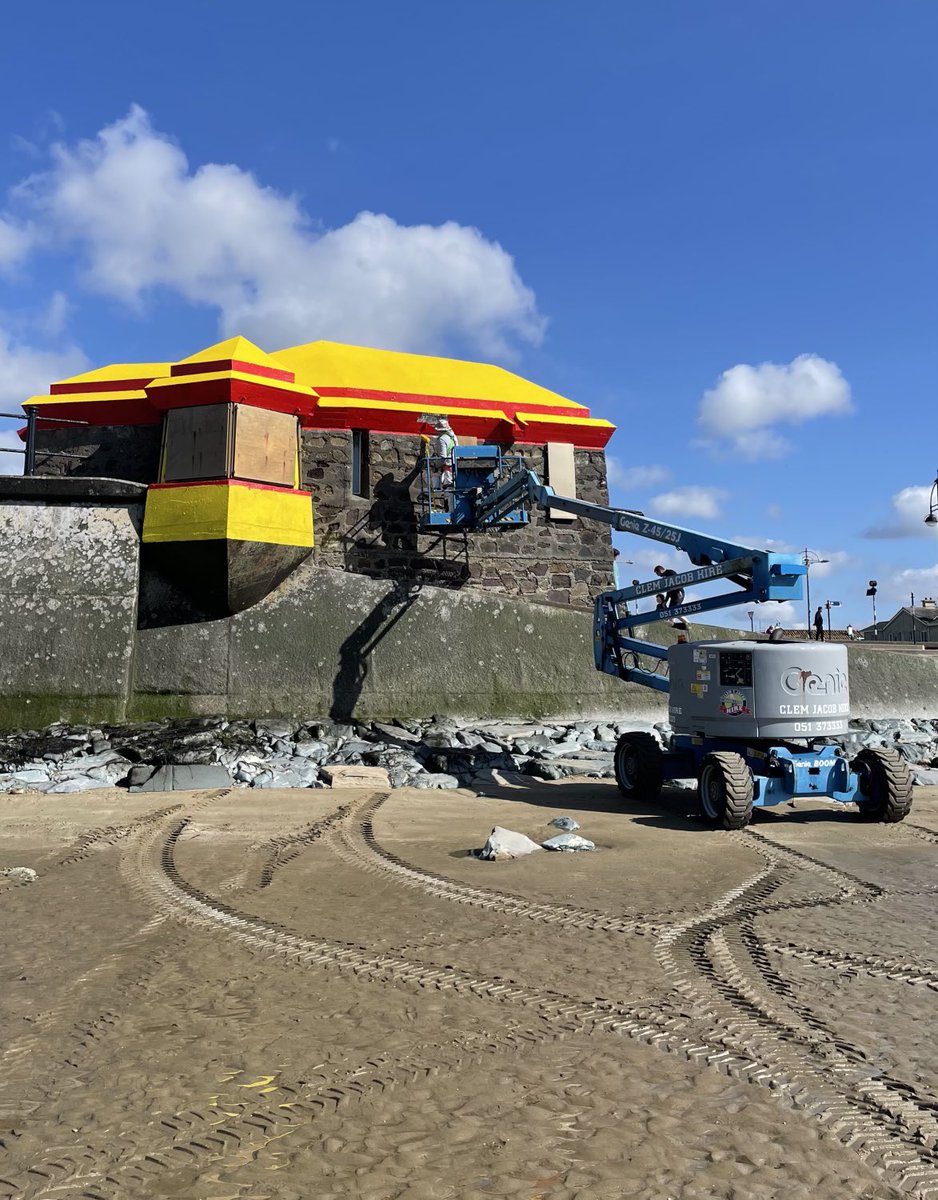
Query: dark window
360, 463
736, 668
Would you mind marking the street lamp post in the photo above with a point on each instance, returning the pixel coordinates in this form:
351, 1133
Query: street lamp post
932, 518
829, 604
750, 614
871, 592
810, 558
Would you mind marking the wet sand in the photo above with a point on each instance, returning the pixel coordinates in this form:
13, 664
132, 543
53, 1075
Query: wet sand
321, 994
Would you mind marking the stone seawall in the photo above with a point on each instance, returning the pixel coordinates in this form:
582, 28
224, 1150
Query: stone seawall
69, 572
332, 643
326, 643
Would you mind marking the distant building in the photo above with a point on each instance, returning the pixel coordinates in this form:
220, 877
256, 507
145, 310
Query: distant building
919, 625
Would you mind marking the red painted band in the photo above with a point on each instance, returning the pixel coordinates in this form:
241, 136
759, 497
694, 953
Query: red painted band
244, 483
233, 364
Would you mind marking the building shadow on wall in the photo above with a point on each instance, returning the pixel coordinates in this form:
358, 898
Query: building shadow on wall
355, 652
385, 543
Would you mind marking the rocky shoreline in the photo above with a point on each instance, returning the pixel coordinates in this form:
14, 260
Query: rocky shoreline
274, 753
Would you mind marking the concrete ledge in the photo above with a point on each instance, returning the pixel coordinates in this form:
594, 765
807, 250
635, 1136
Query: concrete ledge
69, 488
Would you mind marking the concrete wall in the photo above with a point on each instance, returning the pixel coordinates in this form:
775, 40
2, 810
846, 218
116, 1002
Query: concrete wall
68, 608
565, 562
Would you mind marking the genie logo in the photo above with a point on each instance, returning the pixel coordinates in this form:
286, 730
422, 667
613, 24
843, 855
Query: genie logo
798, 682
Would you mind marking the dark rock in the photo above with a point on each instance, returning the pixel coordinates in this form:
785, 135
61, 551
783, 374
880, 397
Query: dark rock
139, 775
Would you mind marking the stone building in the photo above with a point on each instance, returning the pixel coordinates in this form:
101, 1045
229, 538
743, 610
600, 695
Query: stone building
239, 447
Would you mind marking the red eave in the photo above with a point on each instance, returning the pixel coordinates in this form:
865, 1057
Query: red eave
494, 428
101, 412
231, 391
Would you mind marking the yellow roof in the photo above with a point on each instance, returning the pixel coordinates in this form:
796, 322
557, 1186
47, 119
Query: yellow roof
334, 365
236, 349
118, 371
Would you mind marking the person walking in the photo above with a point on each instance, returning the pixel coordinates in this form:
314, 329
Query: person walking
819, 625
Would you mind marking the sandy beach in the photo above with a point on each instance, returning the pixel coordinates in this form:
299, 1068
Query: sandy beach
317, 993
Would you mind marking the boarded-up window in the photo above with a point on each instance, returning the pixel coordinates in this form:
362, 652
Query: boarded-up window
264, 446
561, 475
197, 442
224, 441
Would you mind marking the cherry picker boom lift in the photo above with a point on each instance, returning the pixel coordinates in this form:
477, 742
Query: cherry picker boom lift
755, 722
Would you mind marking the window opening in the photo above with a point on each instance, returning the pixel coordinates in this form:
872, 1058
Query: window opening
360, 463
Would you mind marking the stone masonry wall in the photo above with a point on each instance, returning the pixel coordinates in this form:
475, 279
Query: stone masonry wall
564, 562
107, 452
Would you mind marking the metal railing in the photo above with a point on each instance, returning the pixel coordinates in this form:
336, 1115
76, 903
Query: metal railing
32, 422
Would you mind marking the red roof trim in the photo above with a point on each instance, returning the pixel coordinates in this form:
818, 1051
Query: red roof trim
228, 482
101, 385
233, 364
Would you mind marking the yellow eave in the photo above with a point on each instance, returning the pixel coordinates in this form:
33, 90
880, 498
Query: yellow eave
85, 397
524, 418
279, 385
494, 414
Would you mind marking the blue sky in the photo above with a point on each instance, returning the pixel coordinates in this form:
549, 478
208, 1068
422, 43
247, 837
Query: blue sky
712, 223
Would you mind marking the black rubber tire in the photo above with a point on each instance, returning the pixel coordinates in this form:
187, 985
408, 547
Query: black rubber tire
885, 784
724, 790
637, 766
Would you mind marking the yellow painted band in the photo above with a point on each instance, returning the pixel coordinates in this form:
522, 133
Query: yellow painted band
229, 510
494, 414
85, 397
526, 418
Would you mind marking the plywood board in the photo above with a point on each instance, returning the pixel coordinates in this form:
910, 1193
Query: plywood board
196, 443
561, 475
265, 446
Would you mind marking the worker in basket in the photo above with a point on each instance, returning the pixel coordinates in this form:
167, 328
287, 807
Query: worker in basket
439, 449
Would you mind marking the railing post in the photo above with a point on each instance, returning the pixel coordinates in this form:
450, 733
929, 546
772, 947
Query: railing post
29, 466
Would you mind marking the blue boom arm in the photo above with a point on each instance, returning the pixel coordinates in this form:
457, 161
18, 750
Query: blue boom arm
756, 575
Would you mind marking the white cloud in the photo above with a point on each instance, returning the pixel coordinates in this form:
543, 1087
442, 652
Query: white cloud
632, 479
922, 581
24, 371
739, 414
907, 519
15, 243
691, 501
144, 219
